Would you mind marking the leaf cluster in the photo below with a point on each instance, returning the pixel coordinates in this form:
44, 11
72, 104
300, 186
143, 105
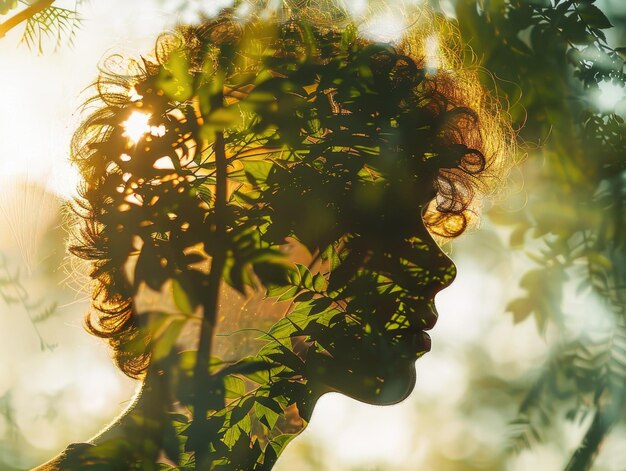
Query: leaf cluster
552, 56
54, 25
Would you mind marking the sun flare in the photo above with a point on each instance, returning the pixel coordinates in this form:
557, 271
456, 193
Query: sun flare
136, 126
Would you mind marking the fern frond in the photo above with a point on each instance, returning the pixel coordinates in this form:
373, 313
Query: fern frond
46, 314
54, 24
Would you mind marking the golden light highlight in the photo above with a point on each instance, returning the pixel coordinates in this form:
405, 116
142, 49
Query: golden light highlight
434, 38
133, 95
431, 54
136, 126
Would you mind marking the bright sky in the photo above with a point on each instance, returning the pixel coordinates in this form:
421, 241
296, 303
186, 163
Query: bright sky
40, 94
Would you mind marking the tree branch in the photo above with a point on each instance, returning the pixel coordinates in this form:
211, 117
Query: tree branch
205, 391
24, 15
583, 457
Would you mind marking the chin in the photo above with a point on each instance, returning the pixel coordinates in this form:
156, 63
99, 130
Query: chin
378, 376
388, 386
389, 390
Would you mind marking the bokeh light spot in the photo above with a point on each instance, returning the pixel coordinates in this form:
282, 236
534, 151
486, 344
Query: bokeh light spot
609, 95
136, 126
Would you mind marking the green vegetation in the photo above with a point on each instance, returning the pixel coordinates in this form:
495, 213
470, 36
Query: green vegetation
45, 22
546, 61
250, 137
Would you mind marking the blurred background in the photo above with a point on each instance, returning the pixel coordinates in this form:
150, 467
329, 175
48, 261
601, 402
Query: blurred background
529, 354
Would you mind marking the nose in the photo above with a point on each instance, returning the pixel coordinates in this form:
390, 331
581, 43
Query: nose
439, 271
426, 270
444, 272
443, 269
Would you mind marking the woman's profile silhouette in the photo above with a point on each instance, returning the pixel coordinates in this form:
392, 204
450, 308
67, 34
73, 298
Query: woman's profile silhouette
258, 207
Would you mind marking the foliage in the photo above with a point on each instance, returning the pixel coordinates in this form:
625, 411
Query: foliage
14, 293
7, 5
45, 22
548, 57
256, 140
54, 24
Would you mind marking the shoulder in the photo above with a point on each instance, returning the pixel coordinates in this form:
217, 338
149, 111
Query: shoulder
66, 458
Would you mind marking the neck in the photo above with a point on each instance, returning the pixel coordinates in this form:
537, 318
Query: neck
144, 422
244, 433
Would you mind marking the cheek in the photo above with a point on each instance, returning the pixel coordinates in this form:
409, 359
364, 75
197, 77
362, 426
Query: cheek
240, 321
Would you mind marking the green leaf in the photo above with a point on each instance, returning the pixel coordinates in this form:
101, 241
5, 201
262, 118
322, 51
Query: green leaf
520, 308
166, 341
593, 16
272, 274
330, 255
320, 284
182, 298
304, 296
306, 279
270, 403
266, 415
282, 292
257, 171
235, 387
246, 366
517, 236
239, 412
7, 5
281, 441
175, 79
231, 436
621, 51
221, 119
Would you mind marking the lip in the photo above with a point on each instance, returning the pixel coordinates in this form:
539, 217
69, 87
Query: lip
421, 342
414, 342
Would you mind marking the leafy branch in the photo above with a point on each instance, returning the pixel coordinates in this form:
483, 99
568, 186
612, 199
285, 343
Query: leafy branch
56, 24
13, 292
44, 22
576, 211
24, 15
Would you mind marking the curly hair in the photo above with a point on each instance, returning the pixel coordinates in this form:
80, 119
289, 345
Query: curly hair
463, 150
